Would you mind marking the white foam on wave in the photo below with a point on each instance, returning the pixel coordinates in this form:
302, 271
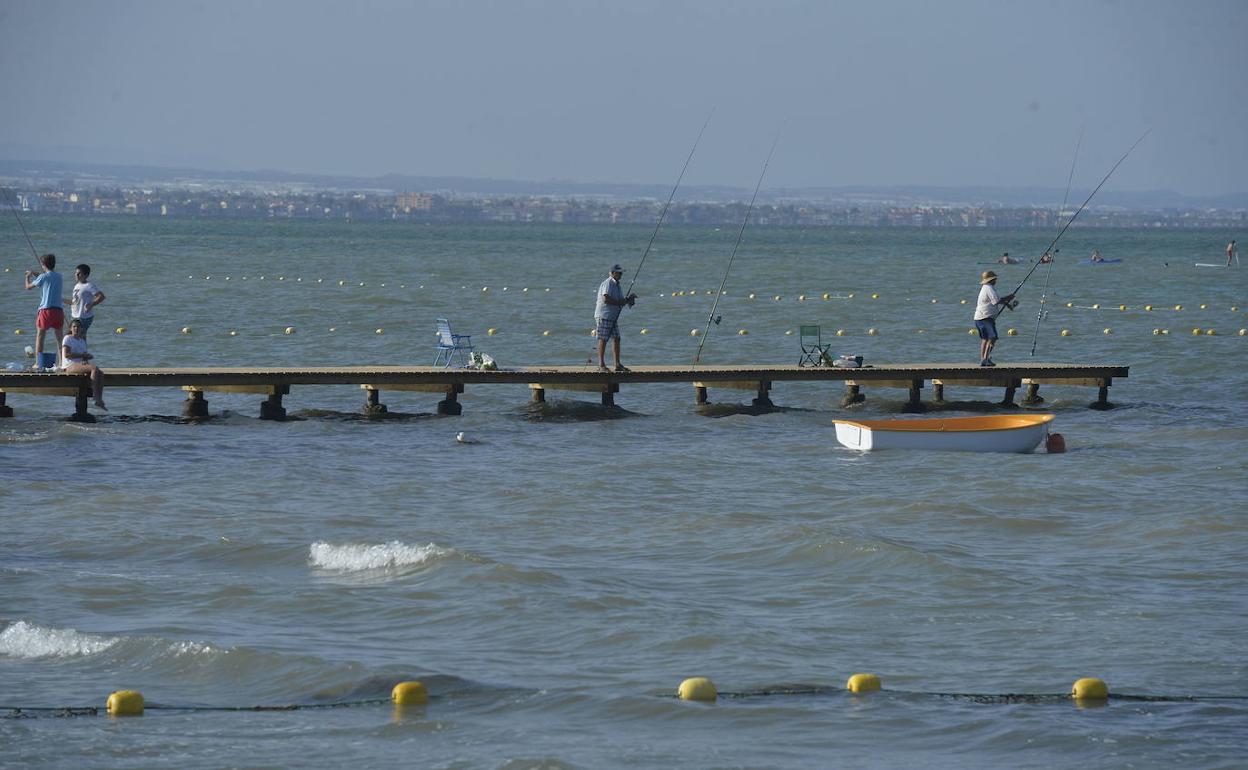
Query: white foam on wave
27, 640
357, 557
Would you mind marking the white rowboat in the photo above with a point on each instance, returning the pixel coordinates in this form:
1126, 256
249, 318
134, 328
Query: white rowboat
995, 433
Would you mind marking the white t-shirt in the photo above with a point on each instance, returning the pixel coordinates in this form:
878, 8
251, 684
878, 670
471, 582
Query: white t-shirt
611, 288
986, 307
84, 295
75, 346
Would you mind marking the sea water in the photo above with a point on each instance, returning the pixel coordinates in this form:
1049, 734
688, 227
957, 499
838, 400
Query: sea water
554, 582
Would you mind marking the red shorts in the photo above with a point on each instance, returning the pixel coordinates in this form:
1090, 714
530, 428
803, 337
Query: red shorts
50, 318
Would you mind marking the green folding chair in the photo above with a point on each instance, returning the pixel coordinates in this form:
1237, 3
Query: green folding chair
814, 352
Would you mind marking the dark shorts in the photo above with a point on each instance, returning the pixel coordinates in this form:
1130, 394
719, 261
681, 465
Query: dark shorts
86, 322
50, 318
987, 328
608, 328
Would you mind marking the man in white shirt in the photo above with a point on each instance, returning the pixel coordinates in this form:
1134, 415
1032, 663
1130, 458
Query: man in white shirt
987, 308
611, 301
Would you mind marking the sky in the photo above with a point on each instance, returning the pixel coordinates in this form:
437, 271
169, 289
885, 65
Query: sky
887, 92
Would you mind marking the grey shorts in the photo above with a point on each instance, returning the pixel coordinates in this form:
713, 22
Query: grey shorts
608, 327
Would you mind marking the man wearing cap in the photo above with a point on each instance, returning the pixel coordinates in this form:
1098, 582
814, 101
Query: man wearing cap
611, 301
987, 309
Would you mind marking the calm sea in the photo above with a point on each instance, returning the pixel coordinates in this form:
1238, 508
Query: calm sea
553, 583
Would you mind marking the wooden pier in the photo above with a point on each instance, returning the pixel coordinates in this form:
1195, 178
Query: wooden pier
276, 382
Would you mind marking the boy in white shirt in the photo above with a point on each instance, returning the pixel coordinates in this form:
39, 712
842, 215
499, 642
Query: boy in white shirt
86, 296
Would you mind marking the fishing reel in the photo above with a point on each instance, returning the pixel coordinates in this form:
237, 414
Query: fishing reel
1012, 304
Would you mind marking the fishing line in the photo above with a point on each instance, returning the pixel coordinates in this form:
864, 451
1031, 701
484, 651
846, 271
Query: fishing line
1044, 293
1076, 215
7, 195
697, 358
657, 225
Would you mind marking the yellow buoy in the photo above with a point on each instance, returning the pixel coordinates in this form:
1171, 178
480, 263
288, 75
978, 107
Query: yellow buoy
1108, 330
1243, 332
645, 331
1089, 688
1203, 306
862, 683
546, 332
485, 288
19, 331
125, 703
801, 297
1196, 331
751, 296
593, 332
525, 290
694, 332
1178, 307
333, 328
1211, 332
504, 288
871, 332
491, 331
340, 283
698, 688
1011, 332
1148, 307
1070, 304
379, 331
788, 332
1122, 307
1096, 306
971, 331
935, 301
1165, 331
776, 298
963, 302
233, 333
409, 694
289, 330
851, 296
827, 295
1156, 332
1065, 332
875, 296
922, 330
742, 332
186, 330
119, 330
840, 332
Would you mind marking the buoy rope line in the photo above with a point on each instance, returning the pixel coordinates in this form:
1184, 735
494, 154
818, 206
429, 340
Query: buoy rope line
36, 712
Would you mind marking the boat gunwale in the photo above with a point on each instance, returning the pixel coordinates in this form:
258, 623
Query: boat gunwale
904, 426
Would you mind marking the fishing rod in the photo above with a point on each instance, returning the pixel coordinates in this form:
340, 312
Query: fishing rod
657, 225
697, 358
1075, 216
1044, 293
7, 195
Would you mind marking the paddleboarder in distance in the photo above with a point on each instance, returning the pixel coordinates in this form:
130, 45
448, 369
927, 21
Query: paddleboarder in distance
1230, 253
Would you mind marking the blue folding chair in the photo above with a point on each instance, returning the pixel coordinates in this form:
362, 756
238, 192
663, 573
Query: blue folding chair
451, 345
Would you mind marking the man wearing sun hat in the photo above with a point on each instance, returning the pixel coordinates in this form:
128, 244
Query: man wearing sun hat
611, 301
987, 308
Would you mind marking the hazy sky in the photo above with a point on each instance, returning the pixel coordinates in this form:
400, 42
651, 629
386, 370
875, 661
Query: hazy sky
879, 92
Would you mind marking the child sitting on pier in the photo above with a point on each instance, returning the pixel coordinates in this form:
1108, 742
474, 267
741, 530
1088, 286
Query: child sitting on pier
76, 360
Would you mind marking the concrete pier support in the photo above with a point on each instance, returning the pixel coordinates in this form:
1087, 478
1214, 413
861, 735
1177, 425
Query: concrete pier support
938, 392
915, 403
763, 399
195, 406
537, 394
699, 395
372, 402
1009, 396
5, 409
80, 406
450, 405
1102, 399
853, 395
271, 408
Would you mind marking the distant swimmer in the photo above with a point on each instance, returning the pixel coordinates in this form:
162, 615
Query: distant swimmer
1096, 256
1006, 259
1046, 258
1230, 253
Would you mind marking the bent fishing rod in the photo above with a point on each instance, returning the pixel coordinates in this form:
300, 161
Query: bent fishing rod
1075, 216
8, 194
697, 358
1044, 293
657, 225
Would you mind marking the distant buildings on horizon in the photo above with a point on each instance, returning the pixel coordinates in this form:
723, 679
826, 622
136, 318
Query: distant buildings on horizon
197, 202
